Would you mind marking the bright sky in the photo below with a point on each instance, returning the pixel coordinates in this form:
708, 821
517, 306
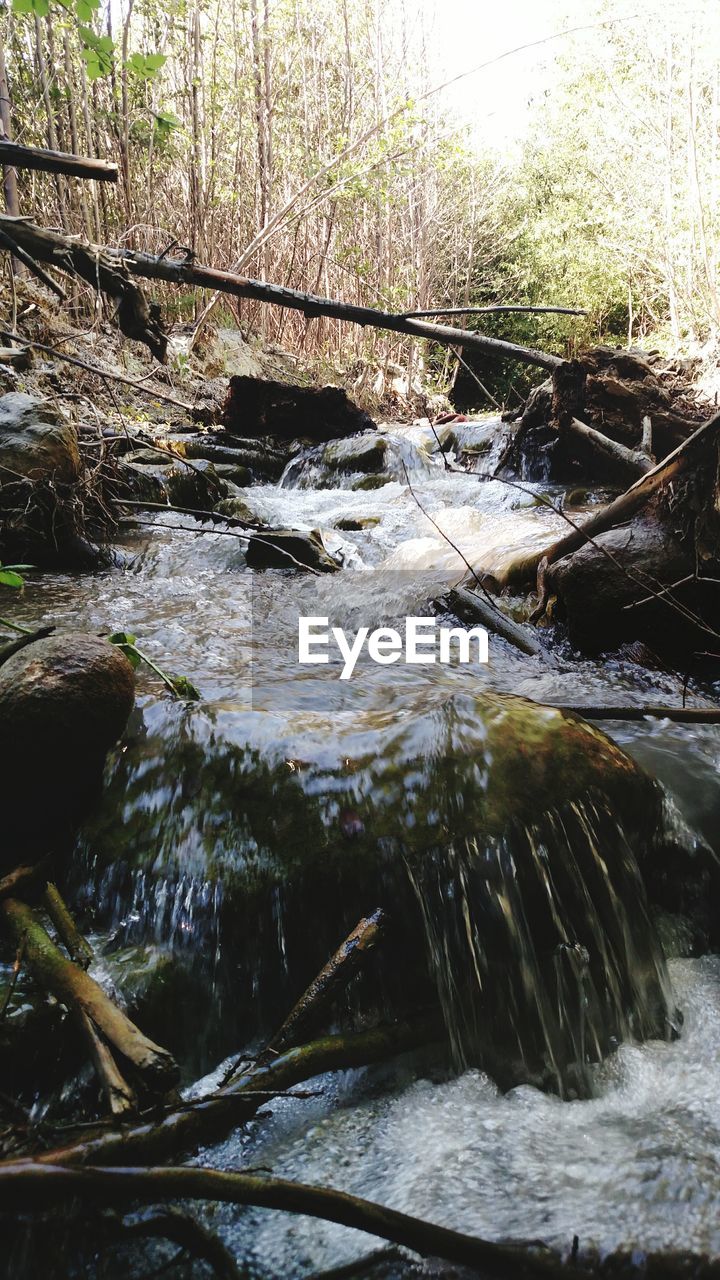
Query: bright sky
497, 101
470, 32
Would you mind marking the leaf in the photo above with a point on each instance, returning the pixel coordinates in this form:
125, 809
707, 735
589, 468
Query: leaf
40, 7
10, 579
184, 688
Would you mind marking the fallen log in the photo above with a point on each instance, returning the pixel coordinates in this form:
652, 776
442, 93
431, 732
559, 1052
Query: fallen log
75, 988
108, 270
523, 572
38, 158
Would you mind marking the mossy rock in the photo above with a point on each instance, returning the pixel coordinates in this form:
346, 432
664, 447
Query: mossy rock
290, 549
365, 453
504, 838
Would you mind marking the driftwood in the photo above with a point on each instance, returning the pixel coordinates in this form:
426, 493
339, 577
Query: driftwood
109, 270
103, 269
12, 154
522, 572
80, 993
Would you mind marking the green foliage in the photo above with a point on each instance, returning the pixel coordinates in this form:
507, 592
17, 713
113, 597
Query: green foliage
11, 575
179, 686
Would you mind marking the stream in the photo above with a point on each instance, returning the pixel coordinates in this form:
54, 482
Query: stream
635, 1164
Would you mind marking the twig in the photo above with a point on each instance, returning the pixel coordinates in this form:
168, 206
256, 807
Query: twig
498, 309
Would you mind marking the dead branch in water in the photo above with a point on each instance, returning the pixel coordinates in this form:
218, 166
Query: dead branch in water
523, 571
25, 1185
79, 992
335, 976
182, 1128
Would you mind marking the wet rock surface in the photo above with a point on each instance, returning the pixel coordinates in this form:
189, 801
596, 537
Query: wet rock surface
36, 441
64, 700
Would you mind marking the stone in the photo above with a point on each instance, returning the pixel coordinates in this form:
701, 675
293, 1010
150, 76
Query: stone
36, 441
64, 701
272, 550
505, 838
364, 453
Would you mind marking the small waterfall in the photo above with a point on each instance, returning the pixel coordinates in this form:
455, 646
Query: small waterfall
538, 950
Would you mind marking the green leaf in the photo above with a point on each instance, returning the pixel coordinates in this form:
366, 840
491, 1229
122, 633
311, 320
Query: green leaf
154, 61
184, 688
40, 7
10, 579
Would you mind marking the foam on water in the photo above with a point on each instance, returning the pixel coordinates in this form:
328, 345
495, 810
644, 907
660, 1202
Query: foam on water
637, 1165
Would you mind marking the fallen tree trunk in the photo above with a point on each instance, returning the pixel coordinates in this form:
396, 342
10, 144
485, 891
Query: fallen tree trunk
75, 988
108, 270
523, 572
11, 153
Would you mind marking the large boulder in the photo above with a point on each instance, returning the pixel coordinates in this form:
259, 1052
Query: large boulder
36, 441
504, 838
64, 700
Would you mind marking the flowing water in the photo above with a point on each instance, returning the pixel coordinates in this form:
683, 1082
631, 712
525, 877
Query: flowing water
634, 1163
